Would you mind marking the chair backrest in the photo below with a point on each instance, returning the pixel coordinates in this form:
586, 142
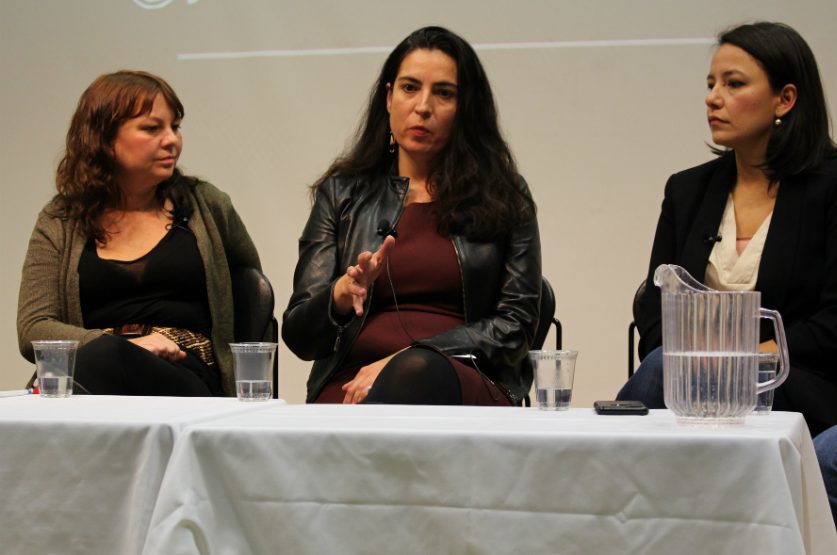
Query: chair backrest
252, 304
547, 317
253, 317
640, 291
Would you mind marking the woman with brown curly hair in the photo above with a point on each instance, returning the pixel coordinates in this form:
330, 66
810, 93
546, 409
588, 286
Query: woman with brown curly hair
132, 258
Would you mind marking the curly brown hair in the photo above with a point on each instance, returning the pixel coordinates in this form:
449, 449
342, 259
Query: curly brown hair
84, 178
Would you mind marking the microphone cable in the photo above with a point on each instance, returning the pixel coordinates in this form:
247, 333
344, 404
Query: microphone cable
470, 356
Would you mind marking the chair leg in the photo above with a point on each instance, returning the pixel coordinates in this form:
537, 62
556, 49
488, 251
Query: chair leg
275, 338
559, 333
631, 334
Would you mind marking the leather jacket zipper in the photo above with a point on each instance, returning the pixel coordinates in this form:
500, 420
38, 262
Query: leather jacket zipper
337, 339
461, 278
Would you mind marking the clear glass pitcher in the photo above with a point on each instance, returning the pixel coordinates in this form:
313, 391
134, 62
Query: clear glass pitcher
711, 348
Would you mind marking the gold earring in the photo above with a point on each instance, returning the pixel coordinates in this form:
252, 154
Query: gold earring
392, 144
777, 122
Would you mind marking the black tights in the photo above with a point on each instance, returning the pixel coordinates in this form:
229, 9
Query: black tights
112, 365
417, 376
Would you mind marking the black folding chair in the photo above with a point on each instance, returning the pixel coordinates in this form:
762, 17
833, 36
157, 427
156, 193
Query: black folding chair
547, 318
253, 303
632, 341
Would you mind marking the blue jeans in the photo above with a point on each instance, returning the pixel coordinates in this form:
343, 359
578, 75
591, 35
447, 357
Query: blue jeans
646, 384
826, 447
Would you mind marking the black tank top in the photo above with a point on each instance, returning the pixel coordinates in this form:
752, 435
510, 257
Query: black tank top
165, 287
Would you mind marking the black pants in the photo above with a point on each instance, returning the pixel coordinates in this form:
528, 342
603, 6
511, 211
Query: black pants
112, 365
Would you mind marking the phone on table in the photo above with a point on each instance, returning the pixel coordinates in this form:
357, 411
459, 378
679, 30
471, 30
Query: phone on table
620, 407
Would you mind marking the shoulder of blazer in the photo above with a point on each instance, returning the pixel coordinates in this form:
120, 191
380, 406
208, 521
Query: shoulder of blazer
825, 174
701, 174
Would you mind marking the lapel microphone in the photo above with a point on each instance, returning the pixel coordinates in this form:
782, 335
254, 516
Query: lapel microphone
709, 239
385, 228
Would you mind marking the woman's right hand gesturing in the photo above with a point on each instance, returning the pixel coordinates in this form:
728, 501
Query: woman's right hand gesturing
351, 289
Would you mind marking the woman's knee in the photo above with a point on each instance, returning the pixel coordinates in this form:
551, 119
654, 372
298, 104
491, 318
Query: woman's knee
111, 350
825, 445
646, 384
417, 376
417, 363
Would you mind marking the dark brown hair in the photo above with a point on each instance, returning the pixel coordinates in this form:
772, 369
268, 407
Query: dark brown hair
85, 174
477, 190
802, 141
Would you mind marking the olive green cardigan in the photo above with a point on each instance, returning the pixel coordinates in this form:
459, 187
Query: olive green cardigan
49, 304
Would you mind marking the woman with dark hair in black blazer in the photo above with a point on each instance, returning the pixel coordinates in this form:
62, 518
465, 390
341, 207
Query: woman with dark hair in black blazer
762, 216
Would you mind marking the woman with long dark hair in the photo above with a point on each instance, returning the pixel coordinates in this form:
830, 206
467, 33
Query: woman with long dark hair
762, 216
132, 258
419, 271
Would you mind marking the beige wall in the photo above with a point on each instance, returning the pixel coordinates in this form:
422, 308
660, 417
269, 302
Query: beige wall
596, 129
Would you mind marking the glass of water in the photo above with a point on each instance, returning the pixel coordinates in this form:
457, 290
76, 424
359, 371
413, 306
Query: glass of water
55, 362
253, 365
554, 372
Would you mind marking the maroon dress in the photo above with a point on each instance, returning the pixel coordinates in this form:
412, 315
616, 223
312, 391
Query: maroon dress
424, 273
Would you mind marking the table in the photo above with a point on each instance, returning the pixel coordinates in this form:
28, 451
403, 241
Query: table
81, 475
400, 479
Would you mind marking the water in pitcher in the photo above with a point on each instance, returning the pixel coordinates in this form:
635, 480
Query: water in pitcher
711, 348
717, 385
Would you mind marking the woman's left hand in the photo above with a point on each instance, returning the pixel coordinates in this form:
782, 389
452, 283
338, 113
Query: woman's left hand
357, 389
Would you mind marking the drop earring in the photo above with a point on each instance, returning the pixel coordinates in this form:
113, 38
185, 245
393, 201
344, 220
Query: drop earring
392, 144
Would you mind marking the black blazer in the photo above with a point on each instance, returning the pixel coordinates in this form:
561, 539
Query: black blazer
797, 274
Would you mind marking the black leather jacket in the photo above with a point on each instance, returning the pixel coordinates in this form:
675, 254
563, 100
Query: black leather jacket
501, 286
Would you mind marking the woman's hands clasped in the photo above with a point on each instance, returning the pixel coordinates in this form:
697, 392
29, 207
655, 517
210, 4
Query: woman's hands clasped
351, 290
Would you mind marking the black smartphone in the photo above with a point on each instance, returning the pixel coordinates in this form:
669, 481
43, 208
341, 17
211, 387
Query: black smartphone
620, 407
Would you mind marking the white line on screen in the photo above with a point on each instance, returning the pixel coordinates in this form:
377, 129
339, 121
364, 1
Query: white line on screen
487, 46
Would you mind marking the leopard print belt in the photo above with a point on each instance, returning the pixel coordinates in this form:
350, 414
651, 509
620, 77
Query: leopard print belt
185, 339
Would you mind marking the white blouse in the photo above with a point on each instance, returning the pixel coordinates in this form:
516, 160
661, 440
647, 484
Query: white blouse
726, 269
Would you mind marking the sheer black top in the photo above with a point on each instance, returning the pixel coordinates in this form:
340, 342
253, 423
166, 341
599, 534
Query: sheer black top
165, 287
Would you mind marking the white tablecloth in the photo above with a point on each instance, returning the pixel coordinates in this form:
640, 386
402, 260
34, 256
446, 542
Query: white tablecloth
81, 475
387, 479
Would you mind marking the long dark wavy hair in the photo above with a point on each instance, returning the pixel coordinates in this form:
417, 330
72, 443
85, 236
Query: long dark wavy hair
84, 178
475, 183
803, 140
